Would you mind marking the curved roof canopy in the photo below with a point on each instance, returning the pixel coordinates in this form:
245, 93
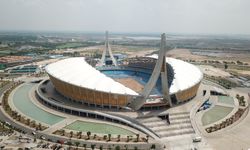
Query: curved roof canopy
77, 71
186, 75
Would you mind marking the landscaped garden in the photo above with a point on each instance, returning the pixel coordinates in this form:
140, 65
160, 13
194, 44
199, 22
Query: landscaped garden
15, 115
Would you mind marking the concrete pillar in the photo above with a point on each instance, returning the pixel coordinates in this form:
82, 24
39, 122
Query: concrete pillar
107, 49
159, 70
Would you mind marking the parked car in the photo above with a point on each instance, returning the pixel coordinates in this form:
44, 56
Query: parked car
197, 139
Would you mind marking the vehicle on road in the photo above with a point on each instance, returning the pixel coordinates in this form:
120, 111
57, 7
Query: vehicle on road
197, 139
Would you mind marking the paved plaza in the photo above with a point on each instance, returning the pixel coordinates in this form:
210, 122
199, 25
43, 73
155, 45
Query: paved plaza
183, 127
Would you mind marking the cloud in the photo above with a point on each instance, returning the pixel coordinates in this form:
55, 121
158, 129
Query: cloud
188, 16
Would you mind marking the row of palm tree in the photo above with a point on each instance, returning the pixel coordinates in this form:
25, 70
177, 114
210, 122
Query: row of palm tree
106, 138
101, 147
32, 123
14, 114
221, 81
3, 83
241, 100
227, 122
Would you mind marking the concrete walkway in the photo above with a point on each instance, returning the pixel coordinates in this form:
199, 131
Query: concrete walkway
59, 125
131, 145
236, 137
185, 142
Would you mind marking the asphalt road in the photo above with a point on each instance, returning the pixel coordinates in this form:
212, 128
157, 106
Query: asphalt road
52, 138
28, 131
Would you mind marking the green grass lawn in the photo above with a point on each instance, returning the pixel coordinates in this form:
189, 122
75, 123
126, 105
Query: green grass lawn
70, 45
100, 128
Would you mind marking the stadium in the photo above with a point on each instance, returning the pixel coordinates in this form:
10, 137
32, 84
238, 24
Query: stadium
106, 86
137, 83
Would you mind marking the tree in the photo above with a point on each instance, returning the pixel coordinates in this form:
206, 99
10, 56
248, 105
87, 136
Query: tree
109, 135
77, 144
105, 137
39, 126
239, 62
71, 134
117, 147
153, 146
88, 134
101, 147
79, 134
33, 123
128, 138
118, 138
137, 137
19, 118
84, 146
147, 137
225, 66
63, 132
242, 98
237, 96
12, 113
28, 121
93, 146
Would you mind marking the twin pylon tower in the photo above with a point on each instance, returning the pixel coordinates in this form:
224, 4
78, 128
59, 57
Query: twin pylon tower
160, 69
107, 52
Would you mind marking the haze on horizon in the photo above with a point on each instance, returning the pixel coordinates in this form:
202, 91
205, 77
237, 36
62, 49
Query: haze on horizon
173, 16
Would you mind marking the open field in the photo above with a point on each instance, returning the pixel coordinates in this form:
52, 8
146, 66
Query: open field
131, 83
214, 64
212, 71
220, 56
131, 51
69, 45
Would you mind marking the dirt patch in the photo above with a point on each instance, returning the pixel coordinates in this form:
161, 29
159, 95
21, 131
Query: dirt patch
131, 83
183, 54
212, 71
186, 54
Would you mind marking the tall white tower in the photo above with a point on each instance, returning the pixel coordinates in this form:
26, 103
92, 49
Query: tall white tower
160, 70
109, 54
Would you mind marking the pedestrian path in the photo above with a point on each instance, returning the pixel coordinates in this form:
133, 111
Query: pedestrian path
178, 124
59, 125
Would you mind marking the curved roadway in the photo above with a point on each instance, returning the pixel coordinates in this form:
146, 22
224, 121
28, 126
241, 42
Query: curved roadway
5, 118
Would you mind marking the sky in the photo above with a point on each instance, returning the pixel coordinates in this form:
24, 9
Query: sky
149, 16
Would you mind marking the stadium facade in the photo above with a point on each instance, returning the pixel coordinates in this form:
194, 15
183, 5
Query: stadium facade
78, 81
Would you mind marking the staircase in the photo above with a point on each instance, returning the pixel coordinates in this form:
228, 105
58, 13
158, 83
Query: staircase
180, 124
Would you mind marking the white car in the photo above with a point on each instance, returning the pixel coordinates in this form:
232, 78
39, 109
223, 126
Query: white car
197, 139
42, 137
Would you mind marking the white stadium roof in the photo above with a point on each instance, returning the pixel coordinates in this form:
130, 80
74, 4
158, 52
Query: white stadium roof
77, 71
186, 75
